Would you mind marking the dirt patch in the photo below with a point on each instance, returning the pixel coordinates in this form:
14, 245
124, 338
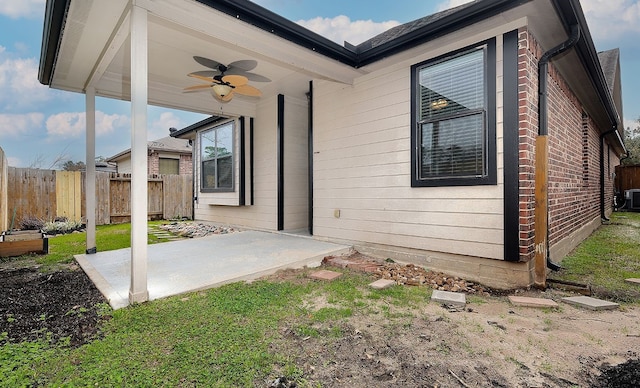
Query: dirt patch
489, 344
52, 306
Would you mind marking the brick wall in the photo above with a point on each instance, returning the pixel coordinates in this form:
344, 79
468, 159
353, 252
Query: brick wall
153, 164
574, 164
186, 165
528, 51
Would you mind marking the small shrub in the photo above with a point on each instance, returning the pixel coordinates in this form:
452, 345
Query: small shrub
31, 223
62, 227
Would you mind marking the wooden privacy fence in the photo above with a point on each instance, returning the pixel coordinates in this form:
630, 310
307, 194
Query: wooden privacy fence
4, 211
47, 194
627, 177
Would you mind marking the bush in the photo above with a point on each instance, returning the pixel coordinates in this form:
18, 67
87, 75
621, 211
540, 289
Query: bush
62, 227
31, 223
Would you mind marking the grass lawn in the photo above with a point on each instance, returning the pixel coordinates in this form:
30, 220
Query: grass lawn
63, 247
607, 258
225, 337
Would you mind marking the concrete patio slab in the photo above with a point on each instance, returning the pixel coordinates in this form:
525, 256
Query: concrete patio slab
590, 303
194, 264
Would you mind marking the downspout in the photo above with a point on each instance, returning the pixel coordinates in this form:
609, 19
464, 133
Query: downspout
603, 215
541, 239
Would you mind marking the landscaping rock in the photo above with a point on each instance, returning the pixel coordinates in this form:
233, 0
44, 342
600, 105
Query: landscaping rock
196, 229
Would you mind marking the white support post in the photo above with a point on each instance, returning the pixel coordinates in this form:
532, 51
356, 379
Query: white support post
138, 291
90, 178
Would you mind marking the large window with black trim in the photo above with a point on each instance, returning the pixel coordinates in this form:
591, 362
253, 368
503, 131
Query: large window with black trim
216, 158
453, 110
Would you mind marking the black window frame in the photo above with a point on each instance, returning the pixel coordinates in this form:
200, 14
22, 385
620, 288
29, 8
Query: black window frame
489, 176
202, 161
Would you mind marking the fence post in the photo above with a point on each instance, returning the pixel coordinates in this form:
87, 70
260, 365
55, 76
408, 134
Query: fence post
3, 191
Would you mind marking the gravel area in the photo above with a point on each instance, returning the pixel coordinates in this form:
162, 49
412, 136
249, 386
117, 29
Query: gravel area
196, 229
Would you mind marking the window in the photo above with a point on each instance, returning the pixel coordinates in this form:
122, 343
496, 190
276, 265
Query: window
169, 166
216, 158
453, 135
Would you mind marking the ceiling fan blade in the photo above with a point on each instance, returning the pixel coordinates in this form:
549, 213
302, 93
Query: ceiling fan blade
248, 90
250, 76
245, 64
206, 62
207, 79
235, 80
196, 88
206, 73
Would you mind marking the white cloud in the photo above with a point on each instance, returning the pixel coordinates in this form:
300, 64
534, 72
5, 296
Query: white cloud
610, 20
22, 8
341, 28
14, 125
19, 83
160, 128
14, 162
73, 124
451, 3
631, 123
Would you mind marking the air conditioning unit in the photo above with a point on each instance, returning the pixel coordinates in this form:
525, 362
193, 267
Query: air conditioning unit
632, 199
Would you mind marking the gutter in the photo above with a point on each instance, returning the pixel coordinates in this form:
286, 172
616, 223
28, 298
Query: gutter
603, 216
54, 18
360, 55
541, 240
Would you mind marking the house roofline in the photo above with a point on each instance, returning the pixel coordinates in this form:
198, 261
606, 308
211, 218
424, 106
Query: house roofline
54, 18
271, 22
194, 127
569, 11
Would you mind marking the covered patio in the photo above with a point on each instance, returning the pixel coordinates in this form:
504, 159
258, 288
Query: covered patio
147, 52
184, 266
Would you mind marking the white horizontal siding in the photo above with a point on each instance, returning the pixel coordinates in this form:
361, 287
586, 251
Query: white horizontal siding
296, 162
362, 167
262, 215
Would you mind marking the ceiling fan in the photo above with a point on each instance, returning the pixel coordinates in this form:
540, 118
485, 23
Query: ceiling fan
227, 80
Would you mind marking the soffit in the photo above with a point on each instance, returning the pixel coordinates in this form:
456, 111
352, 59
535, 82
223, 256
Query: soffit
95, 51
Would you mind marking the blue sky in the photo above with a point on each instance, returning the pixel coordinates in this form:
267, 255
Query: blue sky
39, 125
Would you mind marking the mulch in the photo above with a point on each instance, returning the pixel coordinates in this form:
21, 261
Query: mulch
49, 306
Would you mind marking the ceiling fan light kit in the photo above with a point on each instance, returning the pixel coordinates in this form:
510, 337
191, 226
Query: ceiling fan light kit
221, 90
222, 86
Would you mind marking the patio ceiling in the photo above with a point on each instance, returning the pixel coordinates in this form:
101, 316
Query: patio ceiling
94, 50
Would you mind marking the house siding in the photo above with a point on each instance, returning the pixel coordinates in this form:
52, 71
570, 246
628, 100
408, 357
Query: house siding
362, 170
296, 162
262, 214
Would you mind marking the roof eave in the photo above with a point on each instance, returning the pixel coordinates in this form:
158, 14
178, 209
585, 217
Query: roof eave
571, 13
462, 18
196, 126
273, 23
54, 18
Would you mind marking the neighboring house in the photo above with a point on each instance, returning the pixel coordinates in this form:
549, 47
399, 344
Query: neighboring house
165, 156
106, 167
429, 143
